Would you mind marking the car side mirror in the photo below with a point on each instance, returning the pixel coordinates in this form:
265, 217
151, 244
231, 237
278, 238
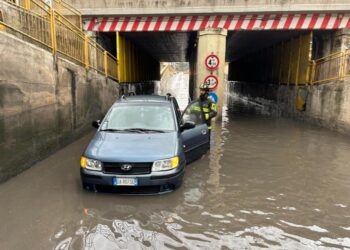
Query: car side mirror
188, 125
96, 124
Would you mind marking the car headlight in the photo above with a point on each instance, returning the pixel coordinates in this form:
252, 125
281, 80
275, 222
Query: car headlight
165, 164
90, 164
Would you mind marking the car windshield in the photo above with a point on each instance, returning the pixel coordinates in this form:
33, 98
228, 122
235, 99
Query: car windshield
140, 117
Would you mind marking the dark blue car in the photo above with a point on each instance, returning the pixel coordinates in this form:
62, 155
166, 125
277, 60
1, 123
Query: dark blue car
143, 145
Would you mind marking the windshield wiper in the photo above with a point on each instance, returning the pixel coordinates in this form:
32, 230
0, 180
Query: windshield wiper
111, 130
134, 130
144, 130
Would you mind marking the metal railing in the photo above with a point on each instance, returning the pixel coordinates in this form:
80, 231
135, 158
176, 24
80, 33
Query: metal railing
51, 30
38, 7
68, 11
335, 66
61, 7
347, 63
69, 41
96, 57
26, 24
111, 65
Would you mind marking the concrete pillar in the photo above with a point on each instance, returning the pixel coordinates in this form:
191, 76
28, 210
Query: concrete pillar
342, 40
211, 41
192, 73
92, 52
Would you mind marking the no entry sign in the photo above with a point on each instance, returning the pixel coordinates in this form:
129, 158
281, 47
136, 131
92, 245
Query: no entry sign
212, 62
211, 81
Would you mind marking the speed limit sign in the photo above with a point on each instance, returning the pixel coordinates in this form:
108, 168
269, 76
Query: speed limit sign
212, 62
211, 81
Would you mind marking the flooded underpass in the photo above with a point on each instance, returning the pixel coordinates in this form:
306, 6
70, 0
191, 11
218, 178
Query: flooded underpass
267, 182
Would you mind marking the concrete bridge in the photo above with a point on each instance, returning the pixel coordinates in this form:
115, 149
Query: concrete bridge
183, 7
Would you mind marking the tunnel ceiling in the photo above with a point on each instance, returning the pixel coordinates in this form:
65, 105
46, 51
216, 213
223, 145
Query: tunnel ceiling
164, 46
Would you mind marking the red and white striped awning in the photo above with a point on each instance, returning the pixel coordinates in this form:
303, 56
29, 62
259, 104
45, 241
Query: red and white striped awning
229, 22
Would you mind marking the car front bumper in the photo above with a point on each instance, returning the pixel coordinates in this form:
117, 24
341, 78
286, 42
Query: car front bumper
165, 180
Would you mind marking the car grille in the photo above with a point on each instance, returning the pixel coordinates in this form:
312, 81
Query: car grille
137, 168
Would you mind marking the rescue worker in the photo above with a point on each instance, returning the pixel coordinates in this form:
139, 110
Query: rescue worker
207, 104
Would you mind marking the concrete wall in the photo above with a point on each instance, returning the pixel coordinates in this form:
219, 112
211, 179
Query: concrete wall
138, 88
129, 7
175, 80
343, 39
327, 105
45, 103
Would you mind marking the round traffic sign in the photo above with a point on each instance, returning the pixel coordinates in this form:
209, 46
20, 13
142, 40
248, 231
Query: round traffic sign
212, 62
211, 81
214, 97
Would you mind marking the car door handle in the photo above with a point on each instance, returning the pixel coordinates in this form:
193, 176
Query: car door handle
204, 132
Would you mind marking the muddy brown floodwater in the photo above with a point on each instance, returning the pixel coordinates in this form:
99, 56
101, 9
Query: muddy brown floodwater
267, 183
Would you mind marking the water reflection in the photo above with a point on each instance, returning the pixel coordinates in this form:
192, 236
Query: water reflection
266, 183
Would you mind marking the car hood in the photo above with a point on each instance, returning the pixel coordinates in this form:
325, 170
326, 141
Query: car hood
132, 147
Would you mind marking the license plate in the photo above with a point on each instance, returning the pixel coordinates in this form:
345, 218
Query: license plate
122, 181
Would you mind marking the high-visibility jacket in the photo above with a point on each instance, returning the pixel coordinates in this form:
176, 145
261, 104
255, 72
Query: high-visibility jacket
209, 110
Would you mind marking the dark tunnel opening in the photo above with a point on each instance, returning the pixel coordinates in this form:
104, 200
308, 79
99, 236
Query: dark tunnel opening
260, 61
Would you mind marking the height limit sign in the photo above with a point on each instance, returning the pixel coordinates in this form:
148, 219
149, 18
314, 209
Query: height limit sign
212, 62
